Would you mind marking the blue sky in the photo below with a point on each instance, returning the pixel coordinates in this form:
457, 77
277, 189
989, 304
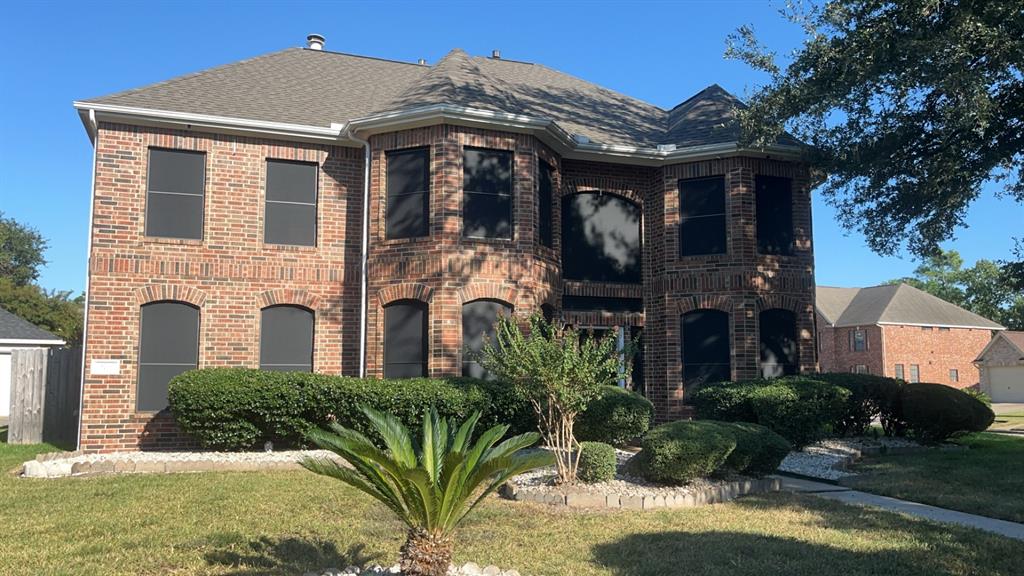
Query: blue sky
53, 53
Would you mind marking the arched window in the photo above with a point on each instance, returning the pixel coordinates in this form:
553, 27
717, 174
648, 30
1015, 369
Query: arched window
405, 339
478, 320
168, 346
286, 339
705, 346
778, 343
601, 238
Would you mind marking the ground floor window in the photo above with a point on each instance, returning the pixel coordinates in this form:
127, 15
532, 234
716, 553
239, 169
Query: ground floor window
899, 372
478, 325
779, 356
168, 346
705, 346
405, 339
860, 369
286, 339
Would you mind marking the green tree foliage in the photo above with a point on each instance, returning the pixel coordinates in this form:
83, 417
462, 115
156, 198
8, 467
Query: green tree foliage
909, 107
985, 288
431, 485
21, 251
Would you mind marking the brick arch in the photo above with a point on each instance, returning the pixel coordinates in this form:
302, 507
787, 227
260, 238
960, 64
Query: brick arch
705, 302
289, 296
603, 184
178, 292
404, 291
489, 291
782, 301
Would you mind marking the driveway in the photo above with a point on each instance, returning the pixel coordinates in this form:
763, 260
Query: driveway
1009, 417
1007, 408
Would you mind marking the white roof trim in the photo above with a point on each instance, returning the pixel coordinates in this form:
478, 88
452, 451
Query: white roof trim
996, 327
22, 341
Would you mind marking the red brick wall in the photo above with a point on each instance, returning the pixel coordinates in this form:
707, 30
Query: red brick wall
838, 356
935, 351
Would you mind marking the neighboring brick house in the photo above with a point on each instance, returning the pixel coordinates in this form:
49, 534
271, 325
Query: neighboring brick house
899, 331
1002, 367
230, 227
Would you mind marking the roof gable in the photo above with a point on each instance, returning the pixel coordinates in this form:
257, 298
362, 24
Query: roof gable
14, 327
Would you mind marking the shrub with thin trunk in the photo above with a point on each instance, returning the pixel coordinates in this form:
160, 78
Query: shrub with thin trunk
557, 372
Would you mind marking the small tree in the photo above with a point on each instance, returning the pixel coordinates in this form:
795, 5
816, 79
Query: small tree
558, 372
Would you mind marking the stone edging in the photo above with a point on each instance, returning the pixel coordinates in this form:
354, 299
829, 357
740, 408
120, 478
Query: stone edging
64, 464
723, 492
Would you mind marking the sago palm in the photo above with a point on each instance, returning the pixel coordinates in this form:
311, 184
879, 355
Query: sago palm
431, 485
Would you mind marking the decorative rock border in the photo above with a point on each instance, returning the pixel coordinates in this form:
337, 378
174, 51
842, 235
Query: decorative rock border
467, 569
692, 497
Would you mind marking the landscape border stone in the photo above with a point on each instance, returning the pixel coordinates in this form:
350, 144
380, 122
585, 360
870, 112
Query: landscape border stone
696, 496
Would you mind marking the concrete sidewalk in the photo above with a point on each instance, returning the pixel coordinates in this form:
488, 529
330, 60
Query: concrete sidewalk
847, 496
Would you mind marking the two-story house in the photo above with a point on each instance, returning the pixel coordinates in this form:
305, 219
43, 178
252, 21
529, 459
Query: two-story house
312, 210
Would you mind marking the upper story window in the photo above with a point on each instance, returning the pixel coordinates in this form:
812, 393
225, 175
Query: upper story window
405, 339
702, 216
286, 339
779, 356
487, 193
545, 188
290, 215
954, 375
175, 194
774, 215
601, 238
408, 201
168, 346
478, 324
858, 340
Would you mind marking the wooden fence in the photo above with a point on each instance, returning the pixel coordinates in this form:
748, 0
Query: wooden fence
45, 392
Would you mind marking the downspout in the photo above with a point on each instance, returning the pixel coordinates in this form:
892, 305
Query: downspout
94, 134
364, 266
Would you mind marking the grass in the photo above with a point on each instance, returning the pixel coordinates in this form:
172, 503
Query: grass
291, 522
1010, 421
986, 479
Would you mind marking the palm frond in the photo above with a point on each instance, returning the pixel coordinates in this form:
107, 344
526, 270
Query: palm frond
395, 435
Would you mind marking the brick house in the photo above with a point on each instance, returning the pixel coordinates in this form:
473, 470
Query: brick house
313, 210
1002, 367
899, 331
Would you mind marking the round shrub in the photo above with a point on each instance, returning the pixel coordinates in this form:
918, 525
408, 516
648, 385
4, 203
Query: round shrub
936, 412
871, 397
729, 401
758, 452
678, 452
615, 417
597, 462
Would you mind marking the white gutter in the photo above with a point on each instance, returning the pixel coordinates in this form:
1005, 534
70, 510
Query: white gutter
364, 260
94, 134
30, 342
997, 327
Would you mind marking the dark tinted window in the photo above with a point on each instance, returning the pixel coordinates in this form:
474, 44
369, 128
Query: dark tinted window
405, 339
291, 203
602, 303
286, 339
600, 238
774, 215
544, 198
487, 194
778, 343
408, 205
702, 216
174, 201
705, 347
478, 318
168, 346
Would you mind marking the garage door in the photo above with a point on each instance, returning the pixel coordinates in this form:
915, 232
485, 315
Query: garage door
5, 384
1007, 383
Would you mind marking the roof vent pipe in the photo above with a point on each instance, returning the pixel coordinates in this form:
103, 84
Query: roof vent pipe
496, 54
315, 42
422, 61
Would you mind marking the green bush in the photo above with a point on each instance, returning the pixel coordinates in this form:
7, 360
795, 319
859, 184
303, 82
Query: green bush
802, 410
678, 452
758, 452
936, 412
976, 393
597, 462
871, 397
615, 417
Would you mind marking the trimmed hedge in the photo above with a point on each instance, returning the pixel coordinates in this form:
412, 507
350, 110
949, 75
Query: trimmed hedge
871, 397
679, 452
615, 417
597, 462
802, 410
936, 412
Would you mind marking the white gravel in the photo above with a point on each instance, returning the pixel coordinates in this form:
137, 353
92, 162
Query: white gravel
61, 464
467, 569
829, 459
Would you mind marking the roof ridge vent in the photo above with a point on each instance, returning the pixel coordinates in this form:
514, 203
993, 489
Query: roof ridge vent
315, 42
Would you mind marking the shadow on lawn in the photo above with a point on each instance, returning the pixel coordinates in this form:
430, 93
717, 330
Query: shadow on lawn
287, 556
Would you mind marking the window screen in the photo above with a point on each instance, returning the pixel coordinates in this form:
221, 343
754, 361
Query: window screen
705, 347
487, 194
858, 340
291, 203
478, 318
774, 215
544, 198
778, 343
405, 339
702, 216
915, 373
286, 339
601, 238
174, 199
168, 346
408, 204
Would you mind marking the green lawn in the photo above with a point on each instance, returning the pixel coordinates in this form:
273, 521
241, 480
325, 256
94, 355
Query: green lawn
290, 522
987, 479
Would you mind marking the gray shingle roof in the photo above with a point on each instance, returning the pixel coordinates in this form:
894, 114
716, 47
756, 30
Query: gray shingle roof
318, 88
13, 327
893, 304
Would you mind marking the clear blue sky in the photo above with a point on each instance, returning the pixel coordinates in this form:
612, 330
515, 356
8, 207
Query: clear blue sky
53, 53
